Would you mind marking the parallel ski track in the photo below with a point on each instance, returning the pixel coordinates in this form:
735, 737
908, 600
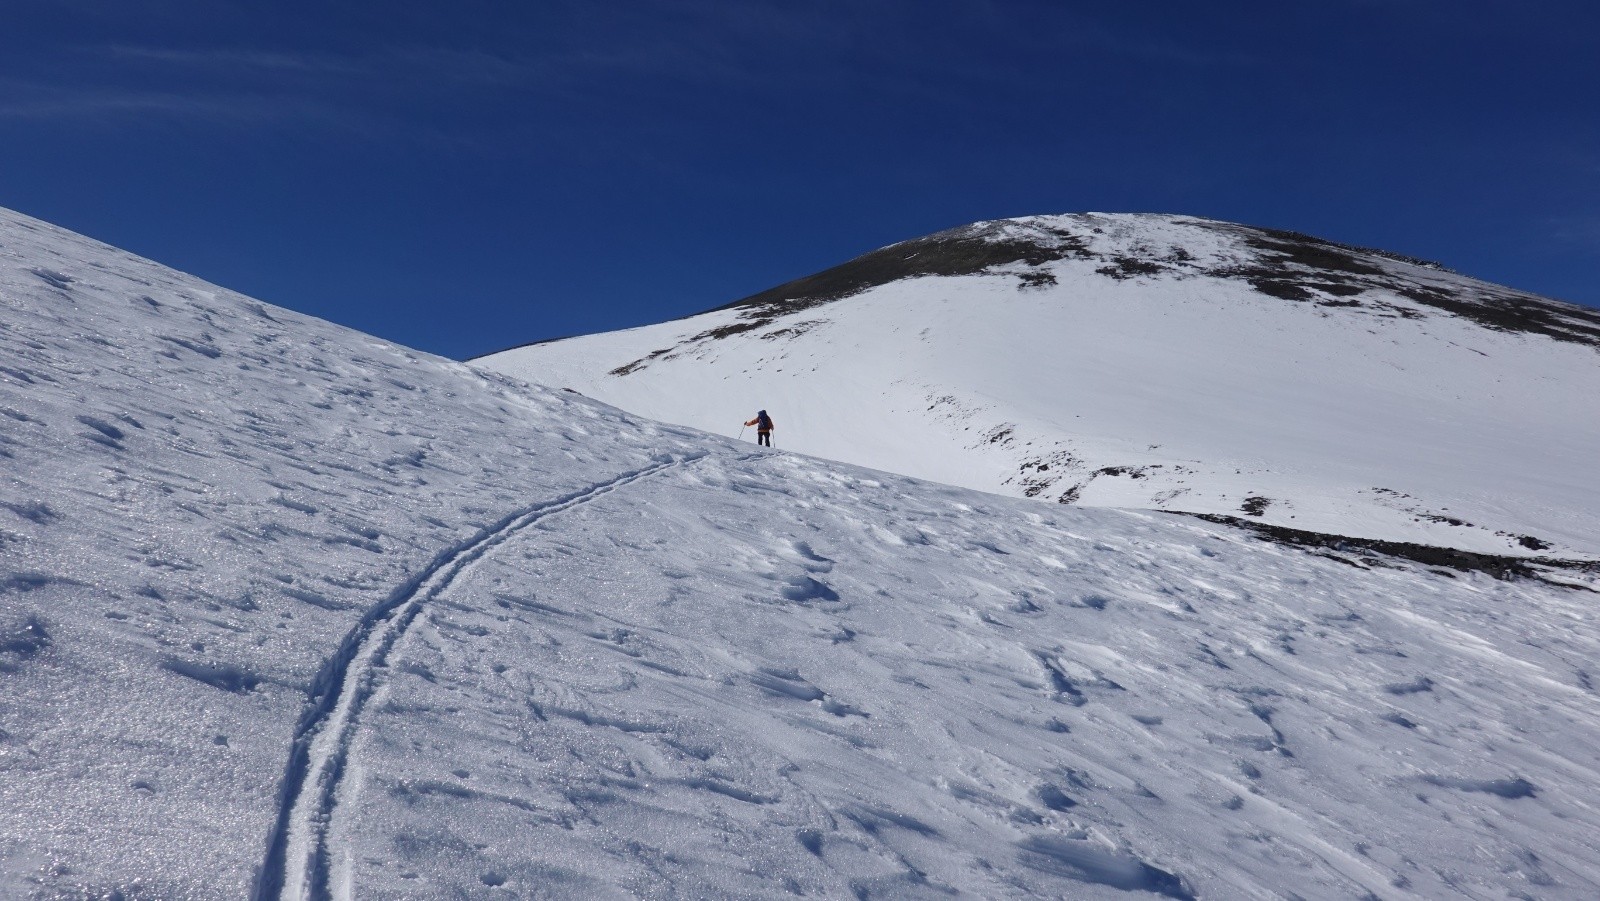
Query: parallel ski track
297, 865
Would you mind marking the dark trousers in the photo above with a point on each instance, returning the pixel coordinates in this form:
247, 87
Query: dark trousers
764, 438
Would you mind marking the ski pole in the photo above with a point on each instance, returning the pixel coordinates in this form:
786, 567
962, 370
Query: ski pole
741, 432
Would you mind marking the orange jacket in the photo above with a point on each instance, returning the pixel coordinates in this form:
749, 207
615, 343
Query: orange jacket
758, 420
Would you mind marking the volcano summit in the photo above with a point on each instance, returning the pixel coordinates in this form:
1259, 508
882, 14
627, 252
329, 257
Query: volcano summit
291, 613
1156, 362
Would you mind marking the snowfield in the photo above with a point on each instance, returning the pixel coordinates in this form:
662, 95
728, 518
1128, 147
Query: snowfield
290, 612
1157, 362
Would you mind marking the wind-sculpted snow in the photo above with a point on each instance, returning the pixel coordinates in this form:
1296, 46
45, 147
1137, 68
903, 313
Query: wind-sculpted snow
502, 645
297, 862
1157, 362
201, 495
988, 699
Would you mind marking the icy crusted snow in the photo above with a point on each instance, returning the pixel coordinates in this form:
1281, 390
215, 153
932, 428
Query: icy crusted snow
1137, 363
533, 647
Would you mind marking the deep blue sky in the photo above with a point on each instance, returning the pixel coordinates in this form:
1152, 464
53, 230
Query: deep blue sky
462, 176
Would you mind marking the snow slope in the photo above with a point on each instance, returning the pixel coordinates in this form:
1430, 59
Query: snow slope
290, 612
1156, 362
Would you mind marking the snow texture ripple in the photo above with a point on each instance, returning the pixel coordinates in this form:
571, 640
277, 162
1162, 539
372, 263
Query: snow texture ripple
298, 859
762, 675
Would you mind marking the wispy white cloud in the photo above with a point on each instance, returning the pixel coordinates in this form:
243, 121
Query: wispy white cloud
1581, 230
244, 87
439, 64
214, 58
117, 106
33, 101
616, 54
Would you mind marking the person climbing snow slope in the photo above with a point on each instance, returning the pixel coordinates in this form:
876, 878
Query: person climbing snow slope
764, 427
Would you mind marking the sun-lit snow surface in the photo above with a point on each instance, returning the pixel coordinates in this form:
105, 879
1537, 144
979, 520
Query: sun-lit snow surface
575, 654
1352, 404
201, 495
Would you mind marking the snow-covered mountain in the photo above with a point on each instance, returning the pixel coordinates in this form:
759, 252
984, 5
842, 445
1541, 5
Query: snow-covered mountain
287, 611
1157, 362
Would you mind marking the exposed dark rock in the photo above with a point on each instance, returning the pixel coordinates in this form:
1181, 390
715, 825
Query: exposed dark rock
1501, 567
1289, 264
1129, 267
1132, 472
960, 251
1255, 506
1038, 278
1283, 264
968, 250
1510, 311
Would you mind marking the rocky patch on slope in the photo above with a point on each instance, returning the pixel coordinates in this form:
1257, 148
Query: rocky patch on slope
1282, 264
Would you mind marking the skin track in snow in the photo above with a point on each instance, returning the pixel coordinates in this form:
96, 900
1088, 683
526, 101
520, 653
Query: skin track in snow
298, 861
201, 497
751, 677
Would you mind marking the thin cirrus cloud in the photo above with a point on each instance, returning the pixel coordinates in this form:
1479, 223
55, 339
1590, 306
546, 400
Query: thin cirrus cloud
26, 100
438, 65
1579, 231
242, 88
453, 66
246, 85
382, 92
609, 54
